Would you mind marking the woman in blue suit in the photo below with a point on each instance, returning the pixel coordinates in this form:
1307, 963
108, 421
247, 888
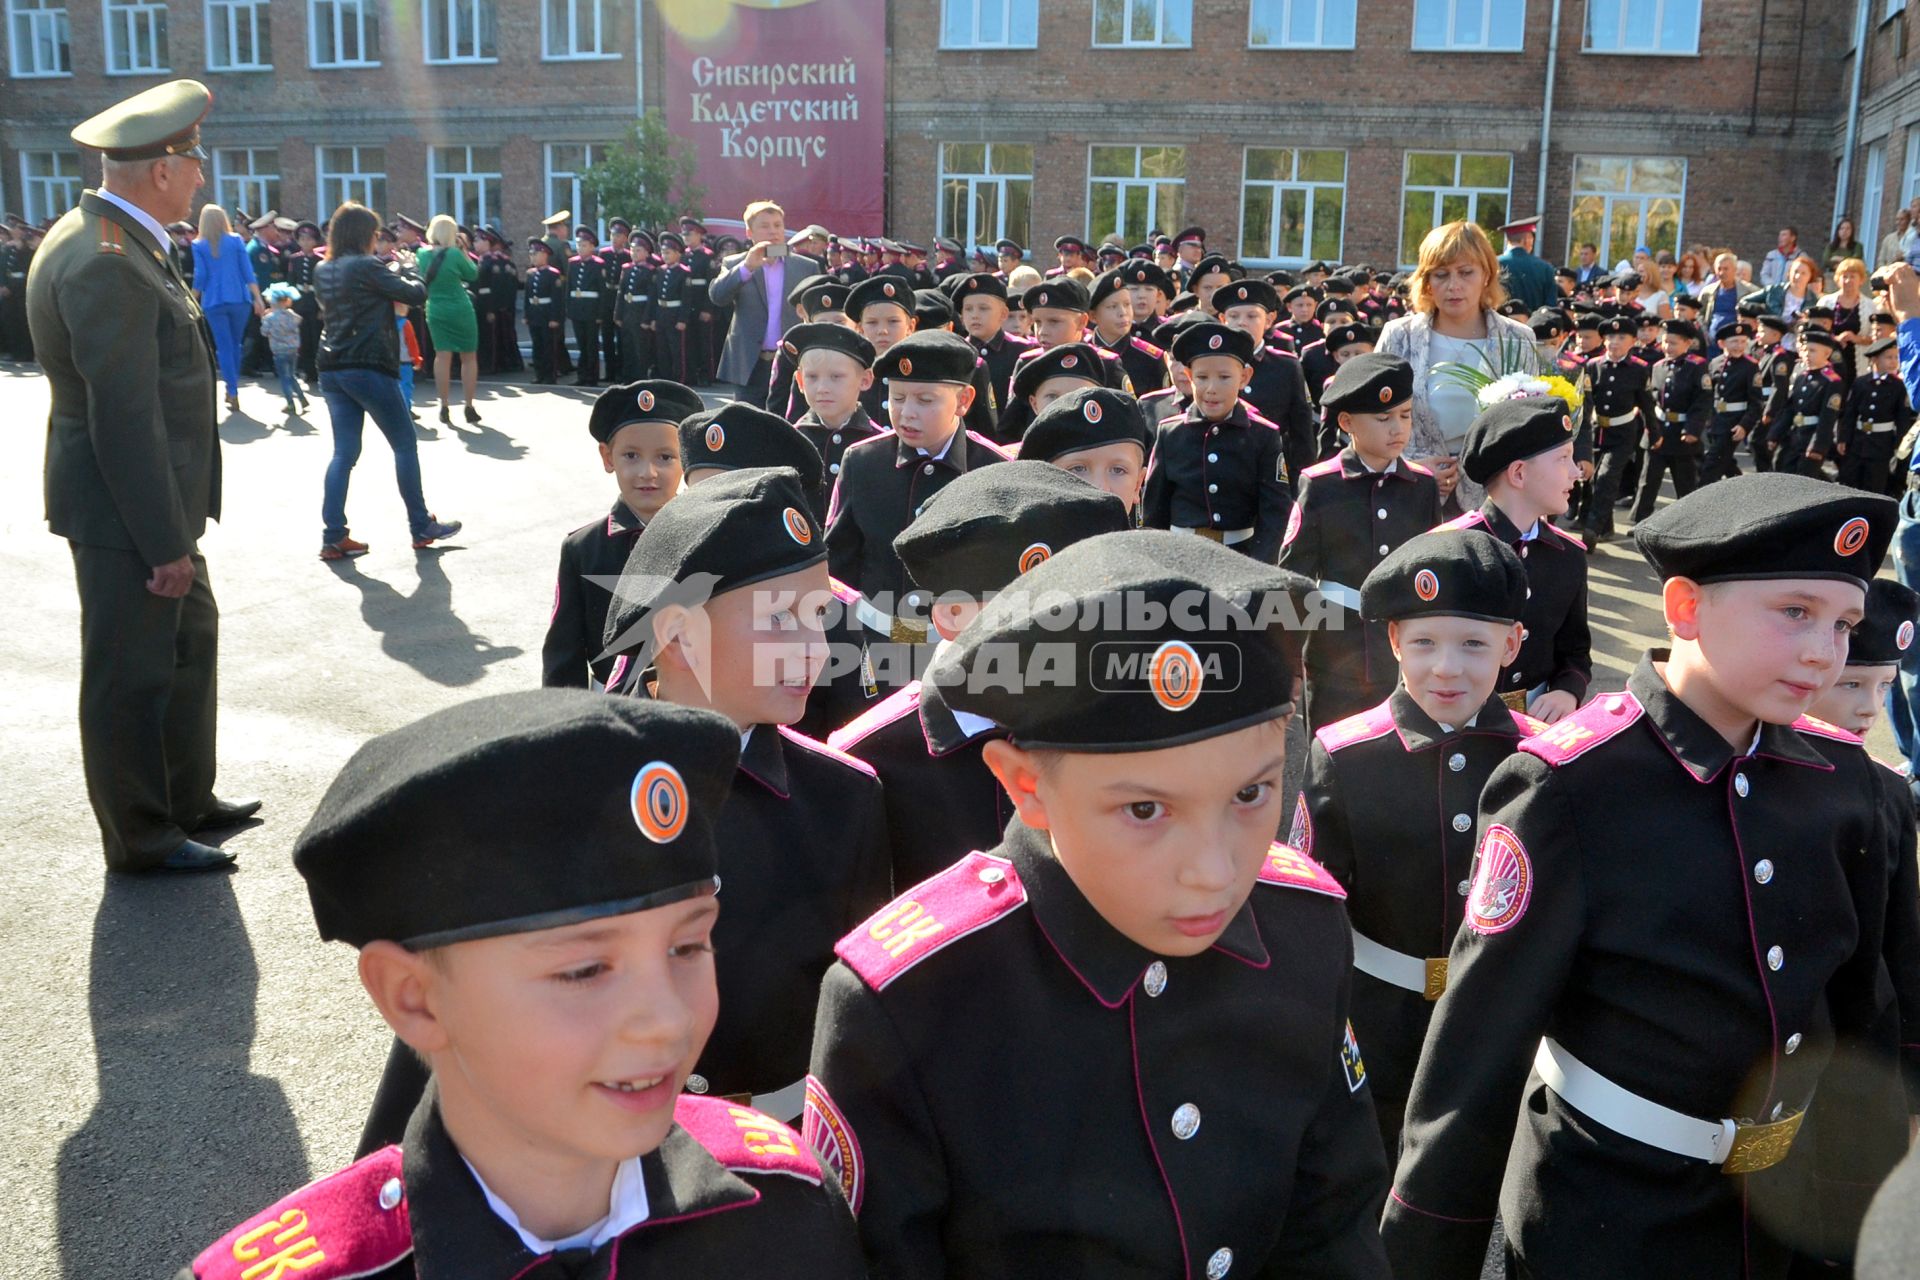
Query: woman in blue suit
223, 280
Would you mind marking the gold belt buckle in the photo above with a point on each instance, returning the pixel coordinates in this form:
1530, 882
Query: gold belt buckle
1515, 699
1436, 979
1761, 1146
904, 632
1214, 535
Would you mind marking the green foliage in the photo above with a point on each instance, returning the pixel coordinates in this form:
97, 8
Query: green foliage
647, 177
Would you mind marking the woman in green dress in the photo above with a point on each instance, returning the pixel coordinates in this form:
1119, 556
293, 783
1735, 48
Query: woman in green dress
447, 270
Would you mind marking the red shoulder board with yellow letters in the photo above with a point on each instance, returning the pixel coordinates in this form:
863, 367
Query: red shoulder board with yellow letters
1821, 729
743, 1139
1294, 869
1529, 727
352, 1223
933, 915
1585, 729
842, 592
1365, 727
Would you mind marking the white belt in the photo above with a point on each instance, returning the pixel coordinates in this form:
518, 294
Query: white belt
697, 280
887, 625
638, 297
1805, 419
1721, 406
1341, 594
534, 300
1737, 1148
1622, 420
665, 303
1231, 537
483, 291
584, 293
1880, 428
1426, 977
783, 1105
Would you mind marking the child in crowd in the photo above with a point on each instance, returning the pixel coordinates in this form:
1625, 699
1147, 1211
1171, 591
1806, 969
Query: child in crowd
281, 325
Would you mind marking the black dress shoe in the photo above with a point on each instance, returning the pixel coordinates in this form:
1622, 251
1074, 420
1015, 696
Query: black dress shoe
194, 856
228, 813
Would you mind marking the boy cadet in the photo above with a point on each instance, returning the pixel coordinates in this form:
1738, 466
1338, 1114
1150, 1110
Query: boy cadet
1353, 510
1616, 407
618, 257
816, 299
1682, 406
1736, 400
1278, 387
702, 342
637, 427
670, 308
1343, 343
1803, 430
833, 367
738, 437
561, 990
975, 538
1166, 986
1300, 325
982, 301
1874, 420
1151, 289
1044, 377
1523, 452
587, 279
1217, 469
1387, 805
1098, 434
1775, 379
1111, 308
635, 315
546, 295
1681, 887
882, 307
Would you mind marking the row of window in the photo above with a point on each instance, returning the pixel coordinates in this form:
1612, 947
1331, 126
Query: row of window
340, 33
1475, 26
1293, 200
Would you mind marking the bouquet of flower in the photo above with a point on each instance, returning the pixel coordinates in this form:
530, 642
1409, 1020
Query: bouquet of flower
1508, 372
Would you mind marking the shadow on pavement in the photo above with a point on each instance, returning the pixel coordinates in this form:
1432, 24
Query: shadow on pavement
182, 1121
421, 629
487, 441
240, 428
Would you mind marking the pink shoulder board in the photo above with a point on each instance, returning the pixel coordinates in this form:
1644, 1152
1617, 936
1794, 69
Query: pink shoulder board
933, 915
1529, 727
901, 702
987, 444
1418, 468
1579, 733
1637, 360
1821, 729
1694, 357
1368, 725
744, 1140
1330, 467
842, 592
1293, 869
1471, 520
820, 748
1574, 538
353, 1223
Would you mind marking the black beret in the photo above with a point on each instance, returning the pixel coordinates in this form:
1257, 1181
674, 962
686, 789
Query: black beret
1072, 244
931, 309
1588, 320
1335, 306
1512, 431
1130, 641
935, 355
1151, 274
1882, 316
877, 289
728, 532
799, 289
1769, 525
1682, 328
1212, 339
1875, 348
1547, 321
828, 295
1733, 329
1370, 383
1644, 319
1818, 311
518, 812
1177, 323
1105, 285
1063, 293
739, 437
1345, 335
1246, 293
1337, 284
1628, 280
1885, 634
1619, 326
1815, 335
1300, 291
651, 400
1752, 308
1457, 573
803, 338
979, 282
1513, 309
1280, 279
1211, 263
1068, 360
993, 524
1778, 324
1086, 418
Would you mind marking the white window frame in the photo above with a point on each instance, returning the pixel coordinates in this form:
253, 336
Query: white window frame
1453, 45
1575, 195
1894, 7
119, 20
353, 183
339, 13
478, 24
984, 40
1456, 188
1285, 24
1311, 187
1128, 40
47, 196
225, 19
1152, 185
251, 189
1655, 51
42, 23
572, 48
1873, 194
575, 198
974, 236
461, 180
1910, 175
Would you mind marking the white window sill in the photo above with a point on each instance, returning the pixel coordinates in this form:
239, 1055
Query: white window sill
1299, 48
341, 66
1642, 53
246, 67
1003, 48
1463, 48
1150, 47
461, 62
42, 75
579, 57
143, 71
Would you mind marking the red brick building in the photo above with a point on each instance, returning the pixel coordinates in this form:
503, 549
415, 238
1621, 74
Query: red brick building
1290, 129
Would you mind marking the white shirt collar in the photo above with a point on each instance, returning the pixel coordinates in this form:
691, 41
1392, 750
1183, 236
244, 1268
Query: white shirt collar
627, 1208
946, 448
1471, 722
970, 724
140, 215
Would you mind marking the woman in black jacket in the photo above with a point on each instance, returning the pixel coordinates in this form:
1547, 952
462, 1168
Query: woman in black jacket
360, 374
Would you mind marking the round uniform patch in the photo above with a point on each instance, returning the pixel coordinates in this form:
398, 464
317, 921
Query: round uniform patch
798, 527
833, 1142
1903, 638
1068, 362
1301, 836
1426, 584
887, 289
1033, 555
1091, 411
1502, 882
644, 400
1852, 536
716, 437
1386, 394
1213, 343
1173, 675
906, 368
659, 802
790, 348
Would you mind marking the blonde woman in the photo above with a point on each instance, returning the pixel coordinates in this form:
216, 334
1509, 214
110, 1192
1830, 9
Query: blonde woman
1454, 291
223, 280
1849, 313
446, 269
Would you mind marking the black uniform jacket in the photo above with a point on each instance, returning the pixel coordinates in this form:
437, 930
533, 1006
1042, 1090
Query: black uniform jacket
591, 559
1556, 647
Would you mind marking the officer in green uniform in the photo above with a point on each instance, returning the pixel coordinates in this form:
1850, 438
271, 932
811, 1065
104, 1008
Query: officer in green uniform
1526, 277
133, 476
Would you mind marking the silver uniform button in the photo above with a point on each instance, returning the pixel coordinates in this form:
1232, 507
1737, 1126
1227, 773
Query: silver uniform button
927, 470
1763, 871
1219, 1264
1213, 457
1516, 677
836, 437
992, 875
834, 469
1216, 517
1186, 1121
390, 1194
1793, 1042
1741, 786
1384, 548
1461, 822
1778, 1107
696, 1083
1213, 488
1525, 634
1156, 979
1381, 513
1462, 887
1775, 958
1456, 762
917, 510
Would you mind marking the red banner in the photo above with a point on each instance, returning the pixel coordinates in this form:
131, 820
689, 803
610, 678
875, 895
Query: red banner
783, 100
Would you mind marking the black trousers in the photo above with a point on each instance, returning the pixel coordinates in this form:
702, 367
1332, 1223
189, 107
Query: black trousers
612, 345
1719, 462
548, 348
754, 391
1609, 468
1686, 478
586, 342
310, 346
636, 352
147, 703
1873, 474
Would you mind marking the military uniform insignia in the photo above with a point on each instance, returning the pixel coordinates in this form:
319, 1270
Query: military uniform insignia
354, 1223
1175, 675
1599, 720
659, 801
1821, 729
1290, 867
1301, 836
933, 915
799, 528
745, 1140
1351, 1063
1502, 882
1368, 725
1294, 521
834, 1143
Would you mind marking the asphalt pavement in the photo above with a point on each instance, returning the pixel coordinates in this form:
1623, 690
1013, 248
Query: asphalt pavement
180, 1051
